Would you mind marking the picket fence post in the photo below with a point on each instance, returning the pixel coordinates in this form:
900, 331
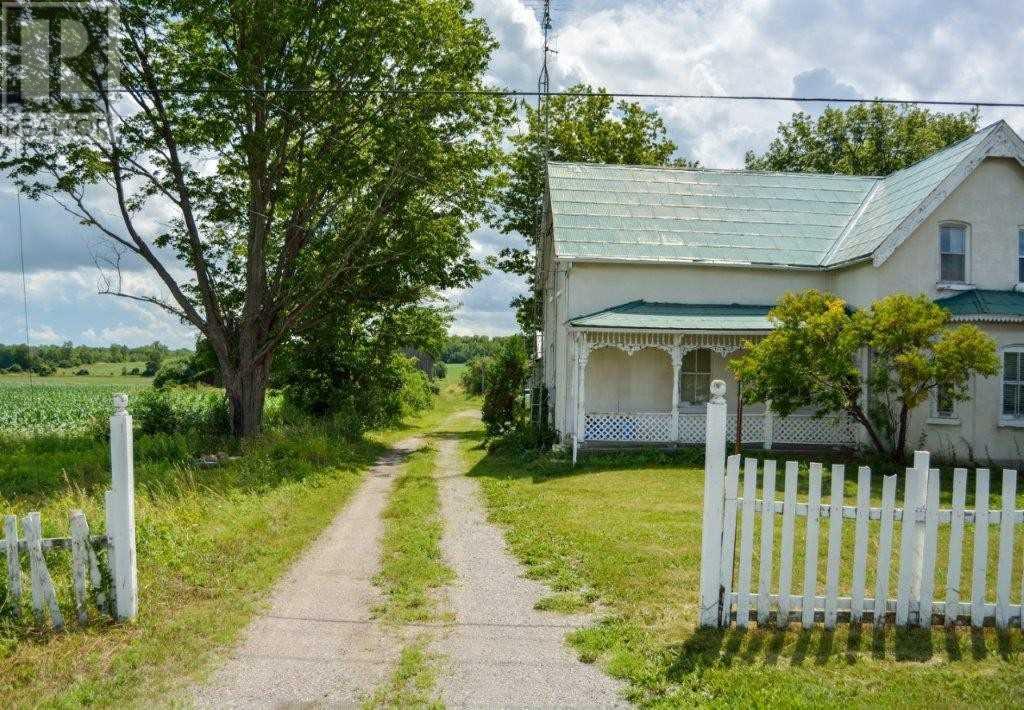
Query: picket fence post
714, 495
121, 512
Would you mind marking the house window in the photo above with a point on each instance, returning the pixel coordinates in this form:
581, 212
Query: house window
944, 403
696, 380
1013, 384
1020, 256
953, 253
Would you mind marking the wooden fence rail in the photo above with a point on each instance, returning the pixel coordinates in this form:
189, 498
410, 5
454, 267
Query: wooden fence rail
102, 564
728, 512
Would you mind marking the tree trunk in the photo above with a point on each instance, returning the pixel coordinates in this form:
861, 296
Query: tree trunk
246, 394
862, 417
901, 441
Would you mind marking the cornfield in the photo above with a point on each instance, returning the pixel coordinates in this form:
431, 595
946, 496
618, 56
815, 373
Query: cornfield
45, 409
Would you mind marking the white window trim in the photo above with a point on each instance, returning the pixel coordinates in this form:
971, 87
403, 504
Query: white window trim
683, 404
934, 417
1020, 258
1005, 420
967, 283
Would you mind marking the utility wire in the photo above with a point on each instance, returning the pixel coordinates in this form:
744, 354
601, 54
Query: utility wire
984, 103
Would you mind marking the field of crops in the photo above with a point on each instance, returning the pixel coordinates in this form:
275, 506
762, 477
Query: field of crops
44, 408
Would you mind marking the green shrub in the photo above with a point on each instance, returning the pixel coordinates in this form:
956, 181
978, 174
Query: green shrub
43, 369
81, 373
474, 377
359, 395
151, 368
440, 370
172, 411
504, 409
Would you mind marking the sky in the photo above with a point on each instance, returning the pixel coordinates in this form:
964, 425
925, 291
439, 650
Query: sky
937, 49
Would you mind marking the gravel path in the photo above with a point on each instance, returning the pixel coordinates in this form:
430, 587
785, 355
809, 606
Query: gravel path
501, 652
318, 645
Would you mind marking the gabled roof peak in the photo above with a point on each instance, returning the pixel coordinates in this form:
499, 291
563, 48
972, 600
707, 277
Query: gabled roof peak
672, 214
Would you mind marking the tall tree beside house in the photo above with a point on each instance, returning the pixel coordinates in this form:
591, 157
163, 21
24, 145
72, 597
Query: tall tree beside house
302, 149
864, 139
812, 357
582, 125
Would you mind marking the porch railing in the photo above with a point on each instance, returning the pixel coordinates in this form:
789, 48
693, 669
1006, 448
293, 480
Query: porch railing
768, 429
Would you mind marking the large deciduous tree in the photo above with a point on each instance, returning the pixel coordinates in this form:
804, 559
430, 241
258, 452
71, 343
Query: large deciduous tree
304, 151
864, 139
581, 125
811, 358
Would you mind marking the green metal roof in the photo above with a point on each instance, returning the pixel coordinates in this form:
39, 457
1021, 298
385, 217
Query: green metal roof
678, 316
666, 214
985, 305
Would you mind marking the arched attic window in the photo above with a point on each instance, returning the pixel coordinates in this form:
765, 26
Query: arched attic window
954, 246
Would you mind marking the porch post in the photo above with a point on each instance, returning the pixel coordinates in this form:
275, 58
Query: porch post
768, 423
582, 354
677, 361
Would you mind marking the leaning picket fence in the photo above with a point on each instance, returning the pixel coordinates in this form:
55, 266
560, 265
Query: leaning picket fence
102, 566
726, 587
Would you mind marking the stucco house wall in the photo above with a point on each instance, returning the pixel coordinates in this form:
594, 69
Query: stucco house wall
990, 202
597, 286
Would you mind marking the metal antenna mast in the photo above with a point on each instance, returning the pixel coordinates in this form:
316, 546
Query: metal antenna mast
544, 80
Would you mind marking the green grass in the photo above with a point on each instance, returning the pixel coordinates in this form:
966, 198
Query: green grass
105, 370
412, 683
628, 528
100, 373
211, 543
412, 566
412, 571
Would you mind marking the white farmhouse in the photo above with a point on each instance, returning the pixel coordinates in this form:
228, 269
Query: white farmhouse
653, 277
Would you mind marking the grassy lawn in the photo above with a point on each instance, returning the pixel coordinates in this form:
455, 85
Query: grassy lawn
625, 530
211, 542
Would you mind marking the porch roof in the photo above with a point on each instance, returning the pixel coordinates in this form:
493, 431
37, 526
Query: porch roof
641, 315
982, 304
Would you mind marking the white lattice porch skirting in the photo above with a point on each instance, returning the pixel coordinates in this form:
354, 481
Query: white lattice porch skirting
657, 427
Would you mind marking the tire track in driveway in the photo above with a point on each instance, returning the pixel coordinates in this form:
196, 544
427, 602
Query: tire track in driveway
318, 643
500, 651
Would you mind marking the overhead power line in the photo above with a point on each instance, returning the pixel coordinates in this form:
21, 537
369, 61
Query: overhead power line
984, 103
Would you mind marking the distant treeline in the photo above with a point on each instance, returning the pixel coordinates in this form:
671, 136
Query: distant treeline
44, 359
463, 348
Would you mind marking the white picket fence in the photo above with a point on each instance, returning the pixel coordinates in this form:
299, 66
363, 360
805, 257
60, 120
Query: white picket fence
726, 580
90, 568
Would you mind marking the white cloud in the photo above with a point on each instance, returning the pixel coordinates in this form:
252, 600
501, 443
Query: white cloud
67, 306
44, 334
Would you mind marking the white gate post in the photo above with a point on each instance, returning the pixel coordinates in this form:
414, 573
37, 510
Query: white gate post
121, 512
714, 492
922, 462
769, 424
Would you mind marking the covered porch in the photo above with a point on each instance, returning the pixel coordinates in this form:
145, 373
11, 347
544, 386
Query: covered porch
643, 373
